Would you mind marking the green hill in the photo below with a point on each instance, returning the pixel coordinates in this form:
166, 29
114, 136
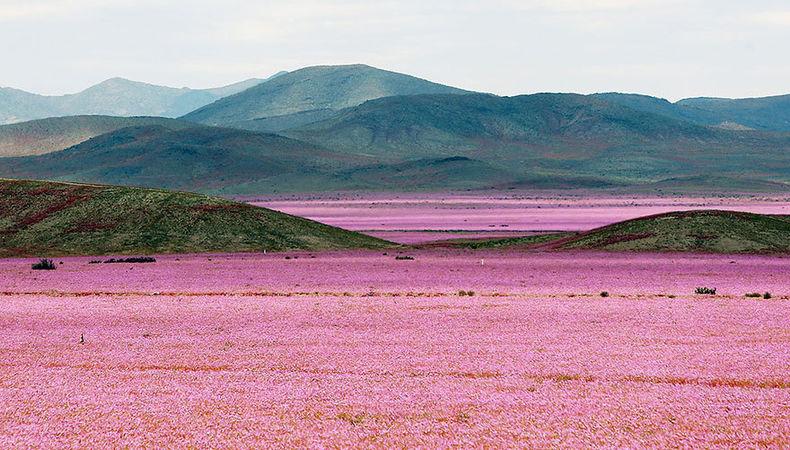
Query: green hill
550, 135
427, 125
198, 158
434, 142
763, 113
691, 231
312, 89
42, 136
276, 124
40, 218
703, 231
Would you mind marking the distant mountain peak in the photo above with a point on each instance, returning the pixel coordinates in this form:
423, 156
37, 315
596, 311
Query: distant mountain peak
116, 96
315, 88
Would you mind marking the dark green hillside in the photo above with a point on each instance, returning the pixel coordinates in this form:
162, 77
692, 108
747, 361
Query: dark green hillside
276, 124
199, 158
439, 173
705, 231
48, 219
311, 89
662, 107
691, 231
433, 142
419, 126
550, 135
49, 135
765, 113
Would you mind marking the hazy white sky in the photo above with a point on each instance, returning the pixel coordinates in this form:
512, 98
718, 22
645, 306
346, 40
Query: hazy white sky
668, 48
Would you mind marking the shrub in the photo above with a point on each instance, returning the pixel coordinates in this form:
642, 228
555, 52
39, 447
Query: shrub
404, 258
767, 295
604, 294
705, 291
753, 294
44, 264
466, 293
134, 259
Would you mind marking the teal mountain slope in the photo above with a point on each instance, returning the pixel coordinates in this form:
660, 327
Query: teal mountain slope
551, 135
433, 142
311, 89
766, 113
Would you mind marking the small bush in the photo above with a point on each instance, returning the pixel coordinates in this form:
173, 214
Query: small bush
753, 294
705, 291
134, 259
767, 295
44, 264
466, 293
404, 258
604, 294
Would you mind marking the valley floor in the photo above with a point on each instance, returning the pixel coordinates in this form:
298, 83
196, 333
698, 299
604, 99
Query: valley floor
421, 218
360, 349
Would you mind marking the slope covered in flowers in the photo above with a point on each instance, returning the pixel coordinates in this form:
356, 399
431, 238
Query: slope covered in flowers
701, 231
47, 218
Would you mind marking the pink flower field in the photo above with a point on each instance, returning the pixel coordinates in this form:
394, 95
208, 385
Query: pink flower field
406, 217
357, 349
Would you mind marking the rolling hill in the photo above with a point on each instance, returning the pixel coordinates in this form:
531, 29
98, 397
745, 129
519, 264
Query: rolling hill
691, 231
199, 158
701, 231
113, 97
433, 142
230, 161
52, 219
312, 90
276, 124
42, 136
765, 113
550, 135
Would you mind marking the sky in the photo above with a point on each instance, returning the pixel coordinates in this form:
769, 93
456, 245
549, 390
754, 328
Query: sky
667, 48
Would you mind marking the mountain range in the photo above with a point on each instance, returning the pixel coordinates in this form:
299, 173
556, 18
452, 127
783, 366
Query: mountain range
114, 97
357, 127
766, 113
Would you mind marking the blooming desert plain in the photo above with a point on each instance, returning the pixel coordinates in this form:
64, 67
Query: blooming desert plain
401, 347
574, 235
